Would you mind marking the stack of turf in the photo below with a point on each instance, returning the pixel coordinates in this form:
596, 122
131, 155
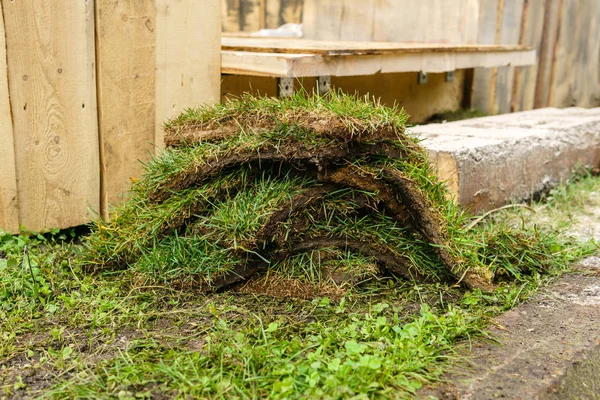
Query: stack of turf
307, 187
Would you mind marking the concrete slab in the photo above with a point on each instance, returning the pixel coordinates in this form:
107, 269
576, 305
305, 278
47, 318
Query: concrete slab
548, 346
490, 161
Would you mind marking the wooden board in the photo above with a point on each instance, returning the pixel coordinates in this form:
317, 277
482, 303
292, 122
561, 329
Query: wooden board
525, 78
51, 73
500, 23
300, 65
126, 92
290, 12
437, 21
9, 205
576, 56
239, 16
429, 21
552, 14
341, 48
188, 37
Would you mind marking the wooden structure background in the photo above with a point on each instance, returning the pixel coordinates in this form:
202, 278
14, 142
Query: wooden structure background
252, 15
89, 85
564, 32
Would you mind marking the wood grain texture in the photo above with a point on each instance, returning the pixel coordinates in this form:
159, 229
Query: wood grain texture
230, 15
9, 205
290, 12
246, 16
51, 73
576, 56
322, 20
188, 62
430, 21
525, 82
546, 53
500, 23
126, 92
358, 23
339, 48
303, 65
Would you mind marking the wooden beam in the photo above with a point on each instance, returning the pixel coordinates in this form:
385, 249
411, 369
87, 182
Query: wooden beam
342, 48
51, 73
302, 65
9, 205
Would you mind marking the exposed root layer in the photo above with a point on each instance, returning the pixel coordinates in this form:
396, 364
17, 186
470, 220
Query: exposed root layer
297, 187
311, 160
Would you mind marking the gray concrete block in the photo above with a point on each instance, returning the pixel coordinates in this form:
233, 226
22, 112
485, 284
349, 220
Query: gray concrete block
488, 162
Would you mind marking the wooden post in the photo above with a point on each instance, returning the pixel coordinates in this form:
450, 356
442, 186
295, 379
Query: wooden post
51, 74
9, 210
155, 58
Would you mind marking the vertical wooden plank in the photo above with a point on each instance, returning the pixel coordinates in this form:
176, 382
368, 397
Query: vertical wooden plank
322, 19
575, 75
432, 21
469, 21
230, 15
126, 92
525, 81
52, 82
484, 79
272, 10
262, 14
358, 23
290, 12
9, 209
250, 17
551, 15
500, 23
188, 57
510, 32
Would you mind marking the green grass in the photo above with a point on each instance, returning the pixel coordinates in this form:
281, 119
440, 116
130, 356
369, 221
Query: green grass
122, 313
195, 217
76, 335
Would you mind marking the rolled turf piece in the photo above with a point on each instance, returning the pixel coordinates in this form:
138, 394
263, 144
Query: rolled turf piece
262, 184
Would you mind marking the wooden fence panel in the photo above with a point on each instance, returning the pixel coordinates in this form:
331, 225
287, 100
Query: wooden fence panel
9, 209
252, 15
499, 23
155, 58
575, 70
51, 73
281, 12
188, 57
525, 78
392, 20
126, 92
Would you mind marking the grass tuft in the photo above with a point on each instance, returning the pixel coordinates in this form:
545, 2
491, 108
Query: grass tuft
261, 184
